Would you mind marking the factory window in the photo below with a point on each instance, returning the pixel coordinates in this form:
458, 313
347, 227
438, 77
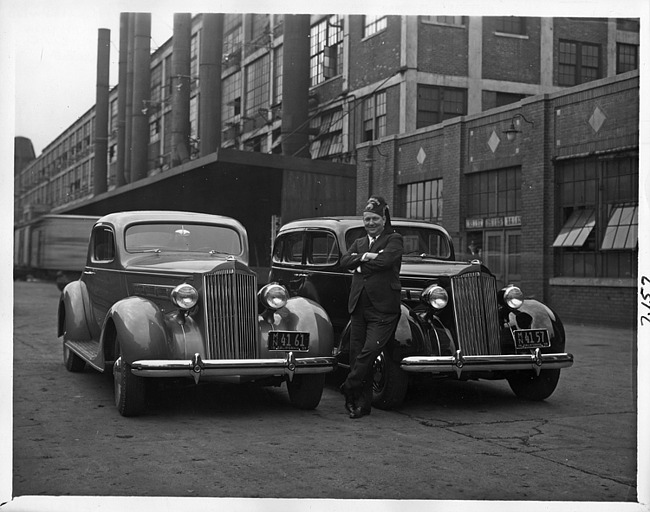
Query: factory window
232, 40
329, 134
257, 86
627, 57
510, 25
435, 104
113, 124
374, 116
374, 24
194, 61
231, 90
277, 75
494, 193
259, 30
598, 217
326, 49
578, 63
424, 200
458, 21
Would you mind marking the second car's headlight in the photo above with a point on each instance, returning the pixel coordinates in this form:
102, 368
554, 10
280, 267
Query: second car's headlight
513, 296
274, 296
436, 296
185, 296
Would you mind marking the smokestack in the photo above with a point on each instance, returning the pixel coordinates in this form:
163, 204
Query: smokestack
128, 139
295, 85
121, 99
141, 95
210, 80
181, 88
101, 111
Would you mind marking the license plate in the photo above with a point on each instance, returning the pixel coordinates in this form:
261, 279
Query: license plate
289, 340
532, 338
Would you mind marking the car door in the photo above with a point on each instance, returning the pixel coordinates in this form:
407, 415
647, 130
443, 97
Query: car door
101, 277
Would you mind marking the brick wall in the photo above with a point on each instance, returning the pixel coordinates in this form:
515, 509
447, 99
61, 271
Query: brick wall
615, 306
442, 49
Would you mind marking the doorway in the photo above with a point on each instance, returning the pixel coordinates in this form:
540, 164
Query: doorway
502, 255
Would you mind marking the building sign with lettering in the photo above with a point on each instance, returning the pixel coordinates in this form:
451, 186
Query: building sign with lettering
494, 222
473, 223
513, 220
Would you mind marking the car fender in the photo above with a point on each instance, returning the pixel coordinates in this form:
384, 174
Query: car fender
299, 314
73, 312
140, 327
535, 315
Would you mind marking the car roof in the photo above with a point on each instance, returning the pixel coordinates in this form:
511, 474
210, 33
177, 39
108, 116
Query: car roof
345, 222
122, 219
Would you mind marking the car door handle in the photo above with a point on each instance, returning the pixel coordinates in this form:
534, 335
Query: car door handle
301, 275
89, 272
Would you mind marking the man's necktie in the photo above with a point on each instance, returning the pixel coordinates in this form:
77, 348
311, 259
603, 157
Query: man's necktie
372, 241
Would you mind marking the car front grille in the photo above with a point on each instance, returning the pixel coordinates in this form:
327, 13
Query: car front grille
230, 314
475, 307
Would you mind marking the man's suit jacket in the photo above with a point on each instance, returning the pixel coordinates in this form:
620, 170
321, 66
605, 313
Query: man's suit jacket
380, 277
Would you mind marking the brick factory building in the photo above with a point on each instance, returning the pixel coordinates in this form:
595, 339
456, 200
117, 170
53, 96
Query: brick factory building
414, 107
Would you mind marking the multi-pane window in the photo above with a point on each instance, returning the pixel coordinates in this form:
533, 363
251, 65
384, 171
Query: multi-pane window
494, 193
374, 116
374, 24
627, 57
446, 20
598, 213
257, 85
329, 140
231, 91
259, 28
156, 84
326, 49
424, 200
578, 63
194, 61
113, 124
510, 25
435, 104
232, 40
277, 75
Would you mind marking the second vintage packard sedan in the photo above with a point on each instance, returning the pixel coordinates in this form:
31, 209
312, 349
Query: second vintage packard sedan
455, 322
170, 295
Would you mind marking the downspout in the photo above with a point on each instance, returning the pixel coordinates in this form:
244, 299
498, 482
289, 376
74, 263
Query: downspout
100, 171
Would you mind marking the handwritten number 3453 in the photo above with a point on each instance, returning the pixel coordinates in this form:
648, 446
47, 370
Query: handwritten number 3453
645, 297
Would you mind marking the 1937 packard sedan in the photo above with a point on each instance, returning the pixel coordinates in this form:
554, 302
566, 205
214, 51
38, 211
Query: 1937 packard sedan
455, 322
170, 295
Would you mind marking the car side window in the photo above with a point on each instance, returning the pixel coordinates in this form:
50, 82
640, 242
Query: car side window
323, 249
288, 248
103, 244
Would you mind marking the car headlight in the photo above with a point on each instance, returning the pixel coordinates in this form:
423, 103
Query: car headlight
185, 296
513, 296
436, 296
274, 296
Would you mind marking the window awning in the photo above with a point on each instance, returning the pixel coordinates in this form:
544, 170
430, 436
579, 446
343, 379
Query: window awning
576, 229
622, 228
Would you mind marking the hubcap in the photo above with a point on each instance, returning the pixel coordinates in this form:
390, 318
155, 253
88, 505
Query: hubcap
117, 379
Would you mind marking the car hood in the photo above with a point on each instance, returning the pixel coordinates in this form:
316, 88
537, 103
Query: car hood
175, 263
428, 268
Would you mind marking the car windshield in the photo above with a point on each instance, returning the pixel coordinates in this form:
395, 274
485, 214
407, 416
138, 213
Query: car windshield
168, 237
418, 241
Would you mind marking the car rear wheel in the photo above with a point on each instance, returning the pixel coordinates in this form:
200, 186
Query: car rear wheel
73, 362
535, 387
389, 384
305, 391
130, 390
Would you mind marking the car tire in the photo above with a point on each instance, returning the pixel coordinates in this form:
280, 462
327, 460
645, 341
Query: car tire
130, 390
389, 384
72, 361
305, 391
535, 387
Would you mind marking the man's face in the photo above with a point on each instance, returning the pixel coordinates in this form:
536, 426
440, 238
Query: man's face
373, 223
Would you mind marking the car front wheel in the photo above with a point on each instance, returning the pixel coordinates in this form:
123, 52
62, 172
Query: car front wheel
130, 392
535, 387
305, 391
389, 384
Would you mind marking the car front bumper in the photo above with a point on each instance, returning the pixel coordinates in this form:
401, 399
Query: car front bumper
197, 367
459, 363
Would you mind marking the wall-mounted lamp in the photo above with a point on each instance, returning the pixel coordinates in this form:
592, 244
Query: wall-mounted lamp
512, 131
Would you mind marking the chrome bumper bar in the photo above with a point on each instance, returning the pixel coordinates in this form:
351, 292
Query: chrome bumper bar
459, 363
197, 367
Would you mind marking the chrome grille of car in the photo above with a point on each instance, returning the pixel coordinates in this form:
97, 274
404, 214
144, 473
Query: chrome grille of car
230, 315
475, 307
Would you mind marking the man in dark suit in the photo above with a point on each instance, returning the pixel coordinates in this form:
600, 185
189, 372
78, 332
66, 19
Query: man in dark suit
374, 301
